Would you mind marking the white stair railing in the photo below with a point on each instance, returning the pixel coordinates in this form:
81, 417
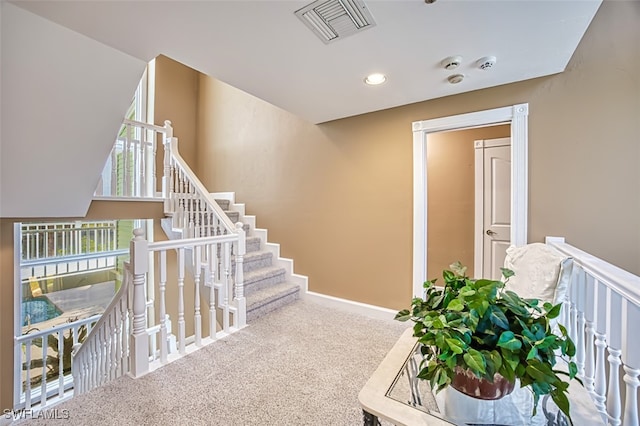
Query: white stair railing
212, 248
121, 342
191, 207
130, 169
601, 311
104, 355
47, 240
44, 357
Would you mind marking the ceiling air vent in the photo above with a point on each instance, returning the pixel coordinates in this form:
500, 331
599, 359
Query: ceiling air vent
332, 20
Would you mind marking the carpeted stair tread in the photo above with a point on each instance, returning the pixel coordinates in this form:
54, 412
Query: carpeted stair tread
263, 273
233, 216
256, 260
224, 204
253, 244
271, 298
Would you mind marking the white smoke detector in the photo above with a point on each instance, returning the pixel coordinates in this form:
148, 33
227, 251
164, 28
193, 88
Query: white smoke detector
486, 62
451, 63
455, 78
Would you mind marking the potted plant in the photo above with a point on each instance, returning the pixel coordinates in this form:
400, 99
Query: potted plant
476, 329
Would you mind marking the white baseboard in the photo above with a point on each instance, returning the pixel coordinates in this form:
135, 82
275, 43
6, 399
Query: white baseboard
351, 306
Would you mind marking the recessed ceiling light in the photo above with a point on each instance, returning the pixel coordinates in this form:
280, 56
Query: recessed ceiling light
375, 79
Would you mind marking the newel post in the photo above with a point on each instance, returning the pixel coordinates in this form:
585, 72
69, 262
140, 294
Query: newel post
139, 339
239, 281
166, 175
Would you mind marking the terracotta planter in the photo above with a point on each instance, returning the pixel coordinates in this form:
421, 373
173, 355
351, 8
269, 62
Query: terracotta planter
466, 382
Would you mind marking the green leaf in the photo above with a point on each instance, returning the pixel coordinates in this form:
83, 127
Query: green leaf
532, 353
507, 273
541, 372
475, 361
498, 317
508, 341
439, 322
458, 269
455, 305
573, 369
403, 315
448, 276
561, 400
554, 312
455, 345
571, 348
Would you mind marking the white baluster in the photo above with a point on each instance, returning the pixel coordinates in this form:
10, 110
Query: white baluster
181, 324
614, 335
580, 347
589, 373
61, 363
27, 388
600, 303
113, 337
125, 162
241, 315
139, 339
43, 384
114, 172
212, 248
613, 393
600, 386
197, 253
226, 286
163, 310
630, 417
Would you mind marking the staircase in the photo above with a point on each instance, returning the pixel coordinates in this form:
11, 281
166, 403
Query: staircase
236, 275
268, 279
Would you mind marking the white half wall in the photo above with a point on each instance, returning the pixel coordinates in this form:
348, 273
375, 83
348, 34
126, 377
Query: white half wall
64, 96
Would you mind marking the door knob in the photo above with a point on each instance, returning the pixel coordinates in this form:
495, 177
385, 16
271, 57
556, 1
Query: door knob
491, 233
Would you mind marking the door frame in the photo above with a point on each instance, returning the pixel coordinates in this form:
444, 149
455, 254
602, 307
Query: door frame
518, 117
478, 237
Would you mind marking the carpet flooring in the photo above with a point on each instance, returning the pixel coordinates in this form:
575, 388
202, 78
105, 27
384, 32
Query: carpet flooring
303, 364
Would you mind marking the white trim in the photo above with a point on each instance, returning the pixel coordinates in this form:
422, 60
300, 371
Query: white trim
157, 199
517, 115
17, 312
351, 306
478, 234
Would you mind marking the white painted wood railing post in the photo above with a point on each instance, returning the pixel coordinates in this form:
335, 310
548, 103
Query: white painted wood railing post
630, 361
614, 332
212, 265
241, 321
600, 303
139, 338
181, 322
167, 181
163, 309
197, 253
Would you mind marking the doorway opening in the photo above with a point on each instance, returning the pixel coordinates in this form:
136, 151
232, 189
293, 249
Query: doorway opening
517, 117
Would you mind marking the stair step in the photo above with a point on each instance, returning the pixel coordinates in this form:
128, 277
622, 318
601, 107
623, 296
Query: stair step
257, 280
233, 216
270, 299
253, 243
256, 260
224, 204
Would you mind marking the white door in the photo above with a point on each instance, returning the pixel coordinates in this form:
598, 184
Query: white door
493, 206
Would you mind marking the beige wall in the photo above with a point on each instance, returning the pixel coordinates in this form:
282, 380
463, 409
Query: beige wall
176, 99
338, 196
451, 197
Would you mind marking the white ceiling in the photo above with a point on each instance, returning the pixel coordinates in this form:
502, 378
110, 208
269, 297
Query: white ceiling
262, 48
